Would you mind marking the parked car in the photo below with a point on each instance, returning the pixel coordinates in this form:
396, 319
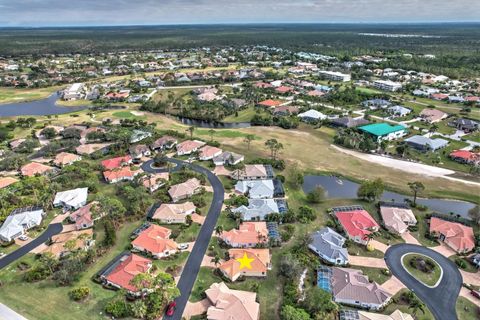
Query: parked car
475, 293
183, 246
23, 237
171, 308
2, 255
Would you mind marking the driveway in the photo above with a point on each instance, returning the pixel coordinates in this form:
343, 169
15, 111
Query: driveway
442, 299
52, 230
192, 267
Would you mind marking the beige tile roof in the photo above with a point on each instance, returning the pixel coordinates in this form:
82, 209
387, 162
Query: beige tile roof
186, 188
170, 211
397, 219
6, 181
248, 233
230, 304
396, 315
64, 158
261, 262
78, 238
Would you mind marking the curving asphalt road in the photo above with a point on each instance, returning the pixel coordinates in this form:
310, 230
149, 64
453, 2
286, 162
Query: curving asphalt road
442, 299
52, 230
192, 267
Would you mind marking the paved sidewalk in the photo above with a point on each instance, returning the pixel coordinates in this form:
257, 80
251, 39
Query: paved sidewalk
8, 314
379, 246
407, 236
464, 292
393, 285
471, 278
444, 250
367, 262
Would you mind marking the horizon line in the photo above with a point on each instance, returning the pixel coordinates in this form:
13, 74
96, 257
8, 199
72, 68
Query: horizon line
242, 24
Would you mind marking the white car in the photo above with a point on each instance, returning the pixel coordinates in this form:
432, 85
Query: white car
183, 246
23, 237
2, 255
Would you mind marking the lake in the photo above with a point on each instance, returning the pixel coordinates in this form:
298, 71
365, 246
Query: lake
212, 124
343, 188
43, 107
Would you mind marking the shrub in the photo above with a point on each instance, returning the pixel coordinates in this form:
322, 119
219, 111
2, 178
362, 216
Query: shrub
118, 308
79, 294
461, 263
316, 195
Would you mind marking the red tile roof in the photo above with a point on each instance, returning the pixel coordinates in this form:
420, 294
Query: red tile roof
155, 239
465, 155
357, 223
124, 172
33, 168
455, 233
116, 162
127, 270
284, 89
270, 103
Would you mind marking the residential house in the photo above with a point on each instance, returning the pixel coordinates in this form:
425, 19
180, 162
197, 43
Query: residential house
7, 181
163, 143
259, 263
173, 213
64, 158
256, 189
465, 156
352, 314
66, 242
375, 104
254, 172
248, 235
34, 168
155, 181
348, 122
384, 131
424, 144
227, 304
117, 162
455, 235
312, 115
432, 115
208, 152
397, 218
122, 174
139, 135
358, 224
185, 190
120, 272
228, 158
189, 146
83, 217
271, 103
87, 149
335, 76
398, 111
352, 287
155, 241
74, 92
286, 110
139, 151
71, 199
257, 209
329, 246
19, 221
465, 125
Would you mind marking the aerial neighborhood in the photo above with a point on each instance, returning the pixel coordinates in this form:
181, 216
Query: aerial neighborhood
240, 182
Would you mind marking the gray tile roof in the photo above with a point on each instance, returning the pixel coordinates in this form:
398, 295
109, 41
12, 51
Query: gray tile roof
329, 243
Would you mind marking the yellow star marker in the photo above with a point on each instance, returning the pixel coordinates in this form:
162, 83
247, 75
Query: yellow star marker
245, 261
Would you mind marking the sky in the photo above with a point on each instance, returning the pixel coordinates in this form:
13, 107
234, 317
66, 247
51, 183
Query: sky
24, 13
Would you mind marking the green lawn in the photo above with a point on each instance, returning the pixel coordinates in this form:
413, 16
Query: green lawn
244, 115
467, 310
469, 266
361, 250
475, 136
45, 301
127, 115
402, 306
221, 133
11, 95
429, 279
374, 274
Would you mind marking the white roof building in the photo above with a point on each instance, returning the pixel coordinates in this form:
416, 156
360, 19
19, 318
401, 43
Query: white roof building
19, 221
71, 199
312, 115
256, 189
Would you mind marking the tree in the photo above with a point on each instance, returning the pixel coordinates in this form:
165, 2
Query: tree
191, 129
371, 190
291, 313
416, 305
110, 233
289, 267
416, 187
318, 300
474, 214
218, 230
274, 147
211, 132
317, 195
216, 260
248, 140
295, 176
305, 214
48, 133
138, 309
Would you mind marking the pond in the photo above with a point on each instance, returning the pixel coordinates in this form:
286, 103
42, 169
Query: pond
43, 107
213, 124
343, 188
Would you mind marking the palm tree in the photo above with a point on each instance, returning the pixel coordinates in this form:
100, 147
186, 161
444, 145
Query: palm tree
191, 129
416, 305
218, 230
248, 139
216, 260
416, 187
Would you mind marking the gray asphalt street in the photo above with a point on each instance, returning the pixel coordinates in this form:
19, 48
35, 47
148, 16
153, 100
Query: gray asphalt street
190, 271
442, 299
52, 230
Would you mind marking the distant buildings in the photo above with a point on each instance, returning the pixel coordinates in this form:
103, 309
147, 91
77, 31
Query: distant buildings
432, 115
335, 76
384, 131
74, 92
387, 85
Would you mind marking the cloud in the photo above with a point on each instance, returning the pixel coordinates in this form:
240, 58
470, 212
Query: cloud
118, 12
